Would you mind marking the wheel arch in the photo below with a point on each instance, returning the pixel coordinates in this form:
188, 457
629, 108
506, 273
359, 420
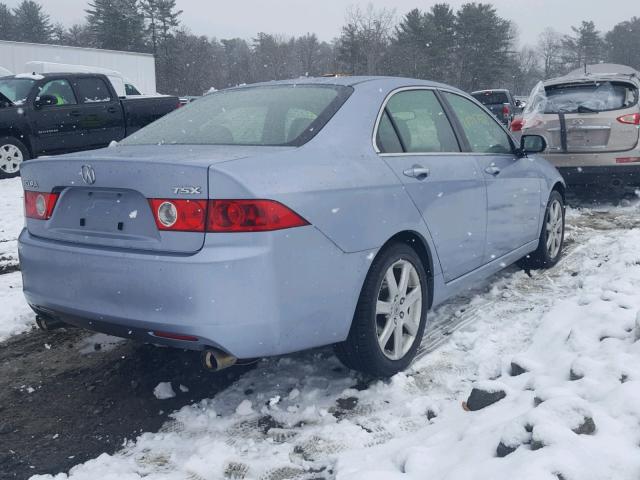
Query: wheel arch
561, 189
421, 247
15, 133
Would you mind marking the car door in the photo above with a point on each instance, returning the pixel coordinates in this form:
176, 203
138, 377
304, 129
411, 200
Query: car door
416, 139
513, 181
101, 117
56, 124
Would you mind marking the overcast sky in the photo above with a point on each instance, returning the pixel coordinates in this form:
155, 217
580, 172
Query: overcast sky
244, 18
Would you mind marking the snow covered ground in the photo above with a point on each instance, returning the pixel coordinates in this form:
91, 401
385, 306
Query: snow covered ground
15, 315
11, 221
572, 412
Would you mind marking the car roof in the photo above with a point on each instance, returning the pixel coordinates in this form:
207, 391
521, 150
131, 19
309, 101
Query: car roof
491, 90
352, 81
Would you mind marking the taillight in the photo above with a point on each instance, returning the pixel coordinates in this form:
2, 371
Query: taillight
506, 110
517, 124
630, 119
39, 205
179, 215
251, 216
223, 215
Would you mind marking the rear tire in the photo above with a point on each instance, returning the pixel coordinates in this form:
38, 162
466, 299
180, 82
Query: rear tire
12, 153
551, 241
391, 314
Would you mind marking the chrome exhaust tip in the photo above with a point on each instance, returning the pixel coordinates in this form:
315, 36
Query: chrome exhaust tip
49, 323
215, 360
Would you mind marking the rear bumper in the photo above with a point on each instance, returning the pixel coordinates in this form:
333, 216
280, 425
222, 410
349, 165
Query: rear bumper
249, 295
618, 176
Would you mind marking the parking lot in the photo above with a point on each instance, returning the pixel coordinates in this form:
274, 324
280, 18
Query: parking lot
71, 395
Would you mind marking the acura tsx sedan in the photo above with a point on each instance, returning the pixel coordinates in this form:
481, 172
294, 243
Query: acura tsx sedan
279, 217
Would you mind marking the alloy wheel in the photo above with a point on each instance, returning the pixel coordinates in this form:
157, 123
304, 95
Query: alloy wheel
398, 309
555, 227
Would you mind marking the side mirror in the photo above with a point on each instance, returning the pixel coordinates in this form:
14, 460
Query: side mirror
518, 103
45, 100
532, 144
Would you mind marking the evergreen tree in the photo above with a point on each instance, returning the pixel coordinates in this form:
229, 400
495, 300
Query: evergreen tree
6, 23
623, 43
441, 24
409, 50
584, 47
116, 24
31, 24
483, 44
162, 19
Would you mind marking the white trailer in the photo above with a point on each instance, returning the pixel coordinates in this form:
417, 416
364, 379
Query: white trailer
139, 68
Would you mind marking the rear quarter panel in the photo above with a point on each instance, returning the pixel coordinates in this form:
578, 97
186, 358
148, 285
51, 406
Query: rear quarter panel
336, 182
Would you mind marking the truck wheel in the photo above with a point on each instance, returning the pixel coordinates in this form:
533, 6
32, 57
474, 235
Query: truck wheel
549, 248
390, 316
12, 153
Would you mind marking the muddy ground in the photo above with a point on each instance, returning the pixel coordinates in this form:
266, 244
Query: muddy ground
60, 407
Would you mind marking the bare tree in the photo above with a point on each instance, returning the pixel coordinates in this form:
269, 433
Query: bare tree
550, 50
366, 36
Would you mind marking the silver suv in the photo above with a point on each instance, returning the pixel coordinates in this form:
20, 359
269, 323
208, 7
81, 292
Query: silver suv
591, 123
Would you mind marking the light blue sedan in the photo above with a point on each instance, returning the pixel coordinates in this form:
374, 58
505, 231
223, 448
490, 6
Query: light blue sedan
278, 217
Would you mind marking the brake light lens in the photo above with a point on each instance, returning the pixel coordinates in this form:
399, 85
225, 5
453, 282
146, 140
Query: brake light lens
251, 216
630, 119
179, 215
39, 205
506, 110
223, 215
517, 124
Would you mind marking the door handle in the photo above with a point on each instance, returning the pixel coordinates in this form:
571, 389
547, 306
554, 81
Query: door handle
492, 170
417, 171
111, 110
75, 113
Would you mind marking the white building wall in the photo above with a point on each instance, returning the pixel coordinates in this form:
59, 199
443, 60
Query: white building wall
137, 67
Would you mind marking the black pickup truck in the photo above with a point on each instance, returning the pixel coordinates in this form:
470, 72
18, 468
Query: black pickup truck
59, 113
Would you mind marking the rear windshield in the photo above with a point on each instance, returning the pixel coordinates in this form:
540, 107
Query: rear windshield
491, 98
277, 115
589, 97
16, 89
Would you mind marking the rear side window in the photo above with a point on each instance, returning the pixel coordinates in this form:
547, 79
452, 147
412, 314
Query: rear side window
386, 138
278, 115
482, 131
589, 97
491, 98
93, 90
419, 120
130, 89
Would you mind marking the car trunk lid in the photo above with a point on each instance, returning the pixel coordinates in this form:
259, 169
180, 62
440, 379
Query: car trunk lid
104, 196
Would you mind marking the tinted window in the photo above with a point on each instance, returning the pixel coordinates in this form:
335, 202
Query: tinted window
269, 115
130, 89
585, 97
61, 90
491, 98
16, 89
386, 138
482, 131
93, 90
421, 122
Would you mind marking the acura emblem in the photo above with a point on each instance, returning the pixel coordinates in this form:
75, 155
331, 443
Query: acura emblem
88, 174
